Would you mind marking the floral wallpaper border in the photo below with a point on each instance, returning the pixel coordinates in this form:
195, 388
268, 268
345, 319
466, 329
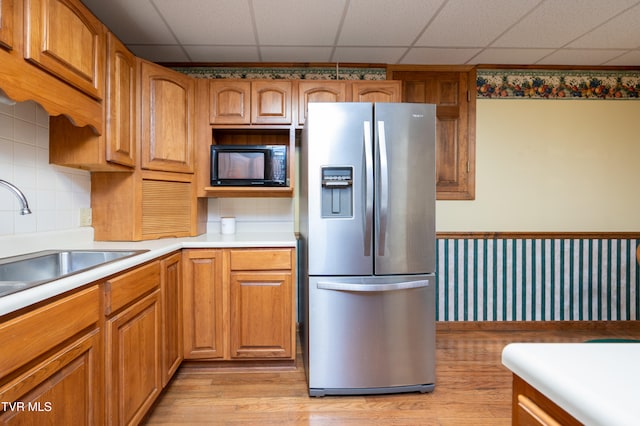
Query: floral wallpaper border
557, 84
490, 83
293, 73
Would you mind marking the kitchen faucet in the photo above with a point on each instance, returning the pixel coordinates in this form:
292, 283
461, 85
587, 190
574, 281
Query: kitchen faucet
25, 204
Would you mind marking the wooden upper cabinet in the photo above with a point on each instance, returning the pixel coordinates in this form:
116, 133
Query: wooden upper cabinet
6, 24
250, 102
65, 39
166, 117
230, 102
376, 91
319, 91
121, 103
271, 102
455, 124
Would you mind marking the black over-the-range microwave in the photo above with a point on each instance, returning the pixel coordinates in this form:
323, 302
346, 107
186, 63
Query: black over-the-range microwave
248, 165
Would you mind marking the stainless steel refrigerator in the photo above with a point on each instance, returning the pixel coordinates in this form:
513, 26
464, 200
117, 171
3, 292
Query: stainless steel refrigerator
367, 235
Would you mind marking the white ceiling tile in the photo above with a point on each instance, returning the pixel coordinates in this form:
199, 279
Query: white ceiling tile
432, 55
511, 56
588, 57
223, 53
378, 31
387, 23
295, 54
378, 55
135, 22
628, 59
160, 53
556, 23
224, 22
475, 29
610, 35
298, 22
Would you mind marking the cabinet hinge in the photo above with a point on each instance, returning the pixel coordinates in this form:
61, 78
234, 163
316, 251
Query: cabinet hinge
468, 96
468, 167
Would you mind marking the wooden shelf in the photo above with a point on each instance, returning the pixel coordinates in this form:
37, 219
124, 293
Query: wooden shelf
243, 191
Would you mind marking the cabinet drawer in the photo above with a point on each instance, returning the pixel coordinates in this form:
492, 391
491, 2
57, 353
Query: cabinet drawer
124, 289
30, 335
253, 260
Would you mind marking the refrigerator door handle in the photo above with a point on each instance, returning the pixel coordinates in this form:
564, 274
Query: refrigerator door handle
368, 213
406, 285
383, 206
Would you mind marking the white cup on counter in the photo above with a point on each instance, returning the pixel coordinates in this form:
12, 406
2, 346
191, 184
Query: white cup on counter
228, 225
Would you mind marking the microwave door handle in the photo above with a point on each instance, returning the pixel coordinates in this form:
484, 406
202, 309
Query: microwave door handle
368, 188
383, 206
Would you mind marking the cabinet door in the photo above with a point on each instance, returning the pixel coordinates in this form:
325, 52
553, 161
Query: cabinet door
171, 285
203, 304
65, 39
229, 102
120, 103
530, 407
455, 126
65, 388
133, 360
6, 24
167, 99
376, 91
271, 102
261, 309
319, 91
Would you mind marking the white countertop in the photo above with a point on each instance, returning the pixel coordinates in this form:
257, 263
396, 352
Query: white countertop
597, 383
82, 239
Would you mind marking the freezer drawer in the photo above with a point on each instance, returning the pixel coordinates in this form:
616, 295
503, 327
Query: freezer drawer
371, 334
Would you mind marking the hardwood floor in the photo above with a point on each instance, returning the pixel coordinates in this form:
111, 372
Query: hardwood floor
472, 386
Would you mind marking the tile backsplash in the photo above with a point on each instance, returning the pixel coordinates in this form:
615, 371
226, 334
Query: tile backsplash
55, 194
252, 214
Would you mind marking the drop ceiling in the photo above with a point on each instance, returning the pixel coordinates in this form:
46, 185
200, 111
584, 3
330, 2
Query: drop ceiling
508, 32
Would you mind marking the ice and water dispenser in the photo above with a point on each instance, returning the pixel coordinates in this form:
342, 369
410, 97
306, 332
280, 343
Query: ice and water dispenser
337, 191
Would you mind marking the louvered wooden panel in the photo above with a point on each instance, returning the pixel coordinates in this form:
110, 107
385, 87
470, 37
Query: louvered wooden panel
166, 208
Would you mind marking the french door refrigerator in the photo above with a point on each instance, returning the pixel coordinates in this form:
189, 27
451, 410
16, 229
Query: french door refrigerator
367, 235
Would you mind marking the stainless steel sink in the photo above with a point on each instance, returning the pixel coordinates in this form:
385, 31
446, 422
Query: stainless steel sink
29, 270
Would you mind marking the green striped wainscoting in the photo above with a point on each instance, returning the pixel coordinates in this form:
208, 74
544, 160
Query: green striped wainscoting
537, 279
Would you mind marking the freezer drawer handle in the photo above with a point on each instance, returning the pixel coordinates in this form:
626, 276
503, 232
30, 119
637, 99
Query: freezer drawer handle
327, 285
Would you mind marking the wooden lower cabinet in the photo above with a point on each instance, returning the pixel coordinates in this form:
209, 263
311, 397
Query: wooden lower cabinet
238, 304
52, 363
103, 354
171, 285
62, 389
260, 325
531, 408
133, 344
133, 361
203, 304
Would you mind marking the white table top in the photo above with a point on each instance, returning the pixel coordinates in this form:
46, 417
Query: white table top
597, 383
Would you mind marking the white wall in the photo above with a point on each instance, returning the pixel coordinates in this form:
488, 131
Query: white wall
552, 166
55, 194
